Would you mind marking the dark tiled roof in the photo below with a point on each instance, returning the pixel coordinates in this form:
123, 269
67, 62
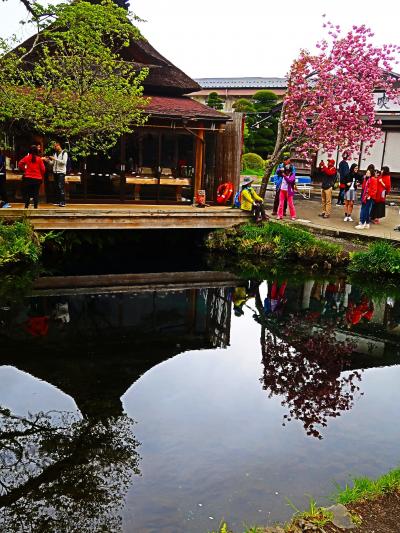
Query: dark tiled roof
183, 107
242, 83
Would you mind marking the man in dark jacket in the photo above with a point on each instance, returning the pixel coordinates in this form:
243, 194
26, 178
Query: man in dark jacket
328, 178
344, 172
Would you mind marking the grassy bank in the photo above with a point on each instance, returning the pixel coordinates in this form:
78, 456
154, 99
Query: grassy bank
276, 241
369, 505
283, 242
19, 244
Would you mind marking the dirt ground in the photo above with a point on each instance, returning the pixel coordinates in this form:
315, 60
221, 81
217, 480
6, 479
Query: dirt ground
381, 515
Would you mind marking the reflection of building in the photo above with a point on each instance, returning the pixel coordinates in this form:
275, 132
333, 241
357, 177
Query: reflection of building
94, 346
231, 89
371, 326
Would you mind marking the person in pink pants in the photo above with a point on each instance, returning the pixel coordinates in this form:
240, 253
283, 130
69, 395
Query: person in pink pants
287, 192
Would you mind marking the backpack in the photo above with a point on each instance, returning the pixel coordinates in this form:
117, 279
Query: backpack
237, 201
68, 168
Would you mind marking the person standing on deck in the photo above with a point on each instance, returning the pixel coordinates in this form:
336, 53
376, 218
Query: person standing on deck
250, 201
3, 191
59, 161
344, 171
34, 170
328, 178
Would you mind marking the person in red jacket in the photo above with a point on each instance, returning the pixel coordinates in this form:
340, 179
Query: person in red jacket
383, 188
34, 170
370, 188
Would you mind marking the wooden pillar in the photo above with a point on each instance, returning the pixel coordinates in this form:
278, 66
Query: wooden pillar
199, 160
122, 174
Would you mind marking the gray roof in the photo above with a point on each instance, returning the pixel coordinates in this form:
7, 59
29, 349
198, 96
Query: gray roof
242, 83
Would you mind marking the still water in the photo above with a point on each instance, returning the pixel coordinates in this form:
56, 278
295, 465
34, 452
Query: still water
168, 410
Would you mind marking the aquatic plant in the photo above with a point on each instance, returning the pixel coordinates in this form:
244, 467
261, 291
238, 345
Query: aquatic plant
18, 243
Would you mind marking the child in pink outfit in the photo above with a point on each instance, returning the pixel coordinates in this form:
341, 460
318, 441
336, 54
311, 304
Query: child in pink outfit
287, 192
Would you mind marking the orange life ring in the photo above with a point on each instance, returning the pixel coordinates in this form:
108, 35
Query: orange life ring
224, 192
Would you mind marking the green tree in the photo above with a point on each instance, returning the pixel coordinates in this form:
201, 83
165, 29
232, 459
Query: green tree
70, 80
214, 101
260, 135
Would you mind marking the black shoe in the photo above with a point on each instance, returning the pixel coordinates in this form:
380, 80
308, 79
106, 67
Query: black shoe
61, 205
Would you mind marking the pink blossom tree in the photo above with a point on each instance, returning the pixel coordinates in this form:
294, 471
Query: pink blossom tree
330, 96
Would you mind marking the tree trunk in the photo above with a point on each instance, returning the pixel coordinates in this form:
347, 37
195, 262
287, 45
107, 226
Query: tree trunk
279, 148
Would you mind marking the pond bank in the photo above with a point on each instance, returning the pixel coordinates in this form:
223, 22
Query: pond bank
286, 242
368, 506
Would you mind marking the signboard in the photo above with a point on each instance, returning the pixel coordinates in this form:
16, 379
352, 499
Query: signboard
384, 105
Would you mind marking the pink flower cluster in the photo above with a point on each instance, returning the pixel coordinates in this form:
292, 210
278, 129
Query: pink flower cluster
330, 98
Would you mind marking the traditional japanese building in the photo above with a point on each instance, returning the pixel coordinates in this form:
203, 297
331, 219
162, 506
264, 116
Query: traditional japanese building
184, 146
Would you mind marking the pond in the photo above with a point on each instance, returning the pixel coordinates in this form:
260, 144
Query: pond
167, 409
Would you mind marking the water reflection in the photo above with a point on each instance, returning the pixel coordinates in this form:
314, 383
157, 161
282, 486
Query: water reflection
61, 473
308, 342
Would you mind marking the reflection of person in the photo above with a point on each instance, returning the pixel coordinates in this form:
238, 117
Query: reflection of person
275, 300
239, 298
364, 309
34, 171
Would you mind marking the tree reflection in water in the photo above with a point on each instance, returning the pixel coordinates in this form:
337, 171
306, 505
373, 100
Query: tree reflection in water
303, 364
60, 473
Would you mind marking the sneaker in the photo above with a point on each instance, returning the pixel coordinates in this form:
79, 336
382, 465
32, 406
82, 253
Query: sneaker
321, 214
61, 205
375, 221
326, 216
346, 219
6, 206
366, 226
279, 218
349, 219
360, 226
293, 218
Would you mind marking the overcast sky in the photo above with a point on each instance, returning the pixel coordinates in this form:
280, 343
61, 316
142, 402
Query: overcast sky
226, 38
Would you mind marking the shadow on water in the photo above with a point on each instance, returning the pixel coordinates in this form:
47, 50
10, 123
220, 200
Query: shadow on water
314, 339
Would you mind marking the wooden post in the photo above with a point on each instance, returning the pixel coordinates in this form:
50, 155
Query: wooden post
122, 174
199, 160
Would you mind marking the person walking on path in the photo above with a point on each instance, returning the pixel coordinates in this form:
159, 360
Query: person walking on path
34, 170
350, 192
250, 201
368, 195
3, 176
344, 171
59, 161
378, 210
328, 178
287, 192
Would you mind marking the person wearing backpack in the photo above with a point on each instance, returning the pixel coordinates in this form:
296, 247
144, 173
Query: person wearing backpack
59, 161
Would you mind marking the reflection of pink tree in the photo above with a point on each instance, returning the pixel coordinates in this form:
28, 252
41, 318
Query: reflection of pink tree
305, 368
